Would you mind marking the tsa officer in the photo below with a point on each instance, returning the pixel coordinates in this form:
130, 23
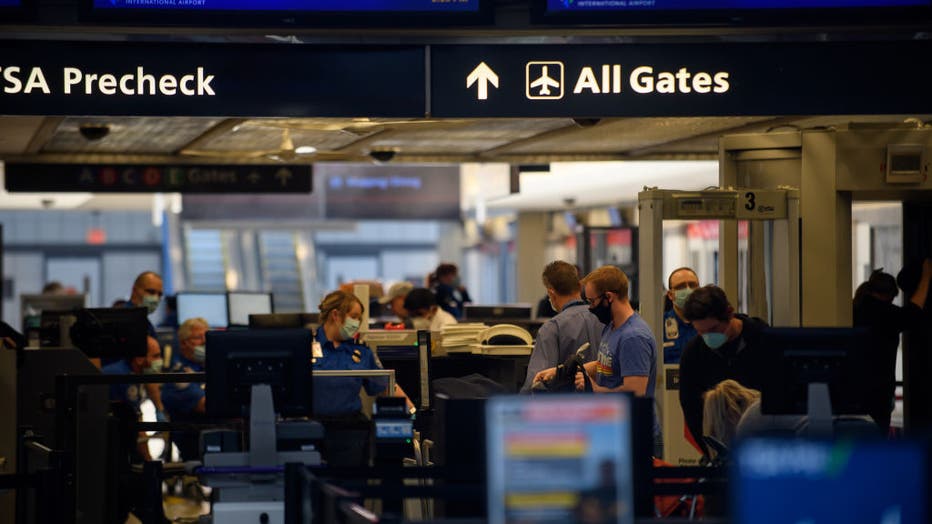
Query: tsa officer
337, 404
677, 331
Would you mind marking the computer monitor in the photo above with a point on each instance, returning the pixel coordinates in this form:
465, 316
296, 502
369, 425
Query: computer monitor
283, 320
212, 307
236, 360
32, 306
243, 303
113, 333
559, 458
782, 480
497, 312
800, 356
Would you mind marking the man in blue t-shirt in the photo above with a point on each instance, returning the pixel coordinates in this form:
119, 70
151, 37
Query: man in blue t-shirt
677, 331
627, 354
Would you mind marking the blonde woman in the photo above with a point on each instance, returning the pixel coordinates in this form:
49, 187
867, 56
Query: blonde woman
336, 399
723, 407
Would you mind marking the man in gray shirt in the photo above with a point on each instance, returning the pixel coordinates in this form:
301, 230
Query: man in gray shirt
572, 327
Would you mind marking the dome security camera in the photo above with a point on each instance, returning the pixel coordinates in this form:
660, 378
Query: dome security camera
586, 122
94, 131
382, 155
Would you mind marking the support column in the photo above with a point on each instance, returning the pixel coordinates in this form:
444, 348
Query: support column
826, 236
531, 244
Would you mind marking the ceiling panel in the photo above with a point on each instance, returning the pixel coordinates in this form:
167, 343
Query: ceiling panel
629, 134
466, 137
324, 134
16, 132
133, 135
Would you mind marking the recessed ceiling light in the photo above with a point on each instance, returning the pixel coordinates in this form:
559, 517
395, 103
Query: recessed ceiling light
305, 150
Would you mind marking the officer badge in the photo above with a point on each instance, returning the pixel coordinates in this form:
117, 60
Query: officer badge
357, 356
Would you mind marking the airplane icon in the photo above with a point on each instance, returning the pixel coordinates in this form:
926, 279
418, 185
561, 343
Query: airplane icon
544, 80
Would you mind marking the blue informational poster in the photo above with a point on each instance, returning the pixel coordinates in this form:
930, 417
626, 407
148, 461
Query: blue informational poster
557, 6
827, 482
307, 6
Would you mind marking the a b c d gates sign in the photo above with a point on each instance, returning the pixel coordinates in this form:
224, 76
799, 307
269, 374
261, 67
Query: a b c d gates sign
585, 80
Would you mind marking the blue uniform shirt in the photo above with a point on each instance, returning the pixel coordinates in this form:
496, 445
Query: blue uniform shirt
182, 398
676, 334
132, 394
339, 396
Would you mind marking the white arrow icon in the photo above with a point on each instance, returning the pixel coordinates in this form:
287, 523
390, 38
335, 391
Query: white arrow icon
484, 75
283, 175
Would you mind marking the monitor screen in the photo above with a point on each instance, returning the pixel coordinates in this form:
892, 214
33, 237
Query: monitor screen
236, 360
726, 12
283, 320
800, 356
290, 12
682, 5
32, 306
212, 307
242, 304
496, 312
114, 333
558, 459
844, 481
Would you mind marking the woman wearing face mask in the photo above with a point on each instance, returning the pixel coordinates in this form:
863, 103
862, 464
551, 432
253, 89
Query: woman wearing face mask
677, 331
728, 347
336, 399
186, 401
424, 312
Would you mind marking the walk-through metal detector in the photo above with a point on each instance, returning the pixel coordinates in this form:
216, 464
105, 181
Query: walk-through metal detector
772, 278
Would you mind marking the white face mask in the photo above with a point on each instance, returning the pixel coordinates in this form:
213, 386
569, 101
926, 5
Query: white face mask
200, 353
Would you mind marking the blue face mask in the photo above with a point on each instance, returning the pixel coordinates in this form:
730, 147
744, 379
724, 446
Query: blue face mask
714, 340
151, 302
349, 328
680, 296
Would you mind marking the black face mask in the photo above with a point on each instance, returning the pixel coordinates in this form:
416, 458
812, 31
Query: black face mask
603, 311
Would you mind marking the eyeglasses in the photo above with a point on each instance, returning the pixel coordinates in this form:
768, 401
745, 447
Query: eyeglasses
151, 291
593, 300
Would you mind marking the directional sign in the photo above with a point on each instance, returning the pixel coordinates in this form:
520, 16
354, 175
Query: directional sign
680, 79
482, 76
174, 79
148, 178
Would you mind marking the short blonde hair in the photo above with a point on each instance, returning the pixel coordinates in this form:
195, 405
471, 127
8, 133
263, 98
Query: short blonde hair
338, 301
184, 330
608, 278
723, 406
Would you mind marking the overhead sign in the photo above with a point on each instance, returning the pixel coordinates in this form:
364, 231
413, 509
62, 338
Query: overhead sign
679, 79
358, 191
147, 178
162, 79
